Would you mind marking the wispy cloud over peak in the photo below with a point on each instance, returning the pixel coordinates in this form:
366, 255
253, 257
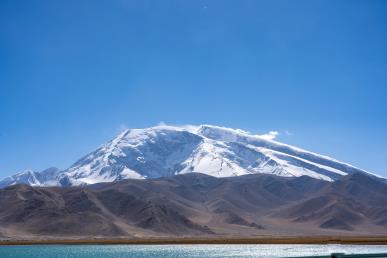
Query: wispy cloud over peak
270, 135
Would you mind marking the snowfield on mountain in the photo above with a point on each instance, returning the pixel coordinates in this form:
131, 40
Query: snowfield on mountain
164, 151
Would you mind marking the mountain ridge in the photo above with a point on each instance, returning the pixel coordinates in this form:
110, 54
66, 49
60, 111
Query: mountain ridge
47, 177
197, 204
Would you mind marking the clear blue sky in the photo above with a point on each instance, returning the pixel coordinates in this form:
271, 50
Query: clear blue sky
74, 73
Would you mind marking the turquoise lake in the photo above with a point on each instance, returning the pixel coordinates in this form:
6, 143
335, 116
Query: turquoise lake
141, 251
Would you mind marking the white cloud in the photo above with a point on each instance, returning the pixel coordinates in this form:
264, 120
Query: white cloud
191, 128
270, 135
194, 128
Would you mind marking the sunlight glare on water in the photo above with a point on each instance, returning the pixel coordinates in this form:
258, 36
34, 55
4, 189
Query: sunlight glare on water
145, 251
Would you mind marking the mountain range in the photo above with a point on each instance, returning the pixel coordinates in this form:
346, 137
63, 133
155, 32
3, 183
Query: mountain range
164, 151
197, 205
196, 181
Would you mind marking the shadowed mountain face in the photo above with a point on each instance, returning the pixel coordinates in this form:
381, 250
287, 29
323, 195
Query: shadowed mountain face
197, 205
354, 200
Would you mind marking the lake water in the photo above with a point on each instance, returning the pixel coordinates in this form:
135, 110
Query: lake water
141, 251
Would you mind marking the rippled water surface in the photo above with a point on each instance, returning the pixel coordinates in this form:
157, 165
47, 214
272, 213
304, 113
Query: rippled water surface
140, 251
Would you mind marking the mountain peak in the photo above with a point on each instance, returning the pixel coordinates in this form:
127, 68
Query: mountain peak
221, 133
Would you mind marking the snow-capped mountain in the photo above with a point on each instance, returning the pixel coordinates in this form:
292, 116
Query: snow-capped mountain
164, 151
47, 177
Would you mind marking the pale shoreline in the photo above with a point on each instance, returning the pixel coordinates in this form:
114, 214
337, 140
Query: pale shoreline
182, 241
